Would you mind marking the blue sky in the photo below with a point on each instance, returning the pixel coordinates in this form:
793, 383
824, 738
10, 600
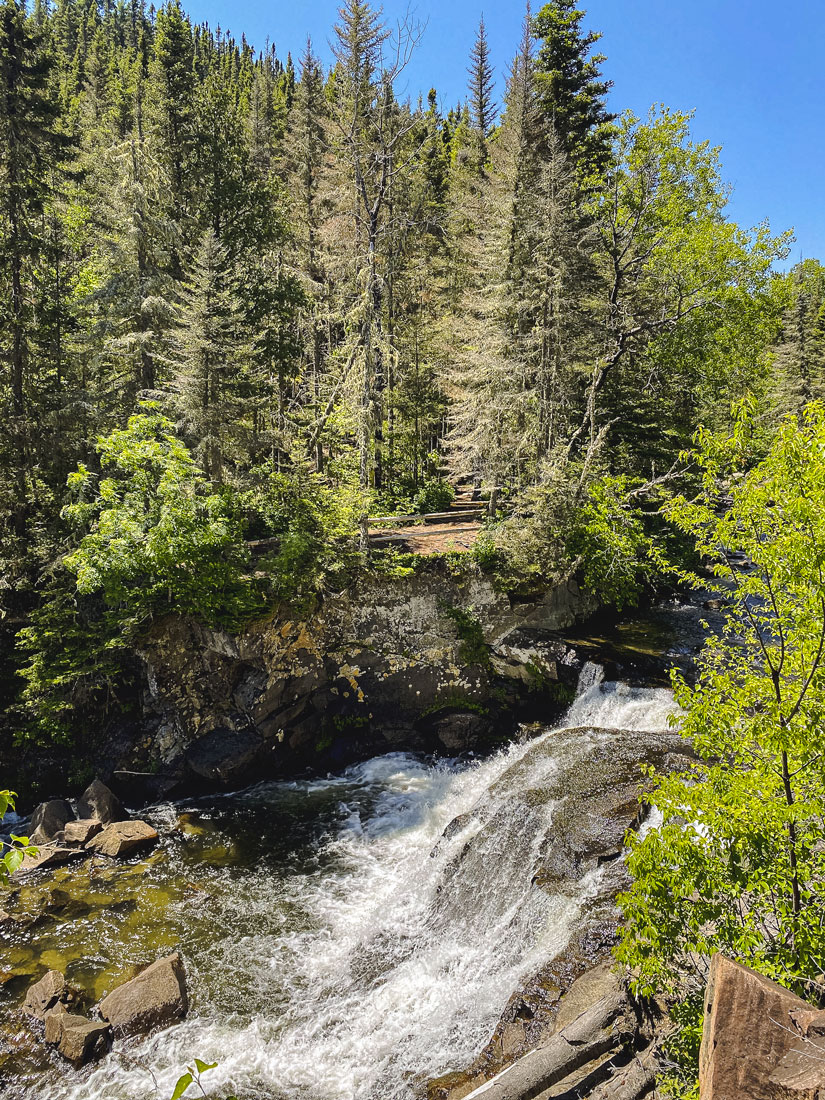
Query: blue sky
753, 71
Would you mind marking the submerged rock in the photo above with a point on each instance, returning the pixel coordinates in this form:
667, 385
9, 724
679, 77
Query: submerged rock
99, 803
121, 838
156, 998
49, 819
75, 1037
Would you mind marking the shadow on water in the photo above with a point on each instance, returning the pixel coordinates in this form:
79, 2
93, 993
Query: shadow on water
642, 646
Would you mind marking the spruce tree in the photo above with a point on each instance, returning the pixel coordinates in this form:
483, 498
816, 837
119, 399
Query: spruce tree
207, 357
571, 90
33, 152
480, 88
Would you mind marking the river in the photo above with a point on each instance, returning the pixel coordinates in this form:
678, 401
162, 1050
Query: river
339, 945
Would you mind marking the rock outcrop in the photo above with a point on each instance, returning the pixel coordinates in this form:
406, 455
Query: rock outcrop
381, 666
759, 1040
122, 838
156, 998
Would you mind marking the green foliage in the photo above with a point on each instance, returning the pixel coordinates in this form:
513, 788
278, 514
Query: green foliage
390, 562
157, 537
738, 862
313, 525
192, 1077
154, 538
73, 664
13, 851
610, 540
571, 90
435, 495
612, 535
473, 648
455, 700
681, 1050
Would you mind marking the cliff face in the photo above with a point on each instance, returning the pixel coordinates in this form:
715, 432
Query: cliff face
428, 661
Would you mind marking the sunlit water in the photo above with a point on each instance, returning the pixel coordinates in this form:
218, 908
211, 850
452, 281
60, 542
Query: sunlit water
338, 946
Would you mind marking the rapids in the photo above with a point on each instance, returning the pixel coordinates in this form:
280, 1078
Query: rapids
342, 942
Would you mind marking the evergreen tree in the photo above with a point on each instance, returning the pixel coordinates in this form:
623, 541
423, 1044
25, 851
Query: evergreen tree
799, 359
174, 91
481, 85
33, 152
207, 358
571, 90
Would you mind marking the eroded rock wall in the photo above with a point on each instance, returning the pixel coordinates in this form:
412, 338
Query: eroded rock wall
428, 661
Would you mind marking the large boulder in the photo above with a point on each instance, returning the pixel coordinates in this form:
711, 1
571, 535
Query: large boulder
754, 1044
121, 838
155, 998
50, 992
98, 802
75, 1037
49, 819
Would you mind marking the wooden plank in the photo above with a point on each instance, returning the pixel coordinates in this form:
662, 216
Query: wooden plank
438, 517
264, 544
428, 533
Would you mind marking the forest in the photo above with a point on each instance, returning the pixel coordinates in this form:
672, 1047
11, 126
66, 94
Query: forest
245, 297
248, 301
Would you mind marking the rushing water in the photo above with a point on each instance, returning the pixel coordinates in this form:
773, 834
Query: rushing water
339, 945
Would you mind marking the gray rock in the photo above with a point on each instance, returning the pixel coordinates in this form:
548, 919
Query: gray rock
76, 834
459, 731
98, 802
46, 855
225, 755
139, 788
156, 998
75, 1037
51, 991
121, 838
49, 818
602, 1029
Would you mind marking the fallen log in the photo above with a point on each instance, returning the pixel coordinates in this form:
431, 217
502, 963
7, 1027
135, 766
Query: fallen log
602, 1029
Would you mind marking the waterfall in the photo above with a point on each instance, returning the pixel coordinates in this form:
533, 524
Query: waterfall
387, 957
